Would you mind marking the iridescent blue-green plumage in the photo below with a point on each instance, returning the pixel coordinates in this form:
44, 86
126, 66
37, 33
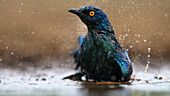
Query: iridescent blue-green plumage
99, 55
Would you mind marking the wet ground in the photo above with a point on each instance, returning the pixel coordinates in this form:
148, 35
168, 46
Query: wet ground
48, 82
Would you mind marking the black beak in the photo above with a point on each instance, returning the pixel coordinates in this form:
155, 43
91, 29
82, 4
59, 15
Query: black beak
74, 11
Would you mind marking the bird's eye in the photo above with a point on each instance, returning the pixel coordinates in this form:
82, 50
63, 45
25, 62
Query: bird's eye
91, 13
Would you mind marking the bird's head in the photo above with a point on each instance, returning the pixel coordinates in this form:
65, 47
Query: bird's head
92, 16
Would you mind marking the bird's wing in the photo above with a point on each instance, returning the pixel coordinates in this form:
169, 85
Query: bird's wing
123, 61
75, 52
114, 40
80, 39
121, 56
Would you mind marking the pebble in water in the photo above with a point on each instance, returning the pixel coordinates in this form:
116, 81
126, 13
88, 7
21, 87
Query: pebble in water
138, 79
43, 79
160, 78
155, 77
147, 81
37, 79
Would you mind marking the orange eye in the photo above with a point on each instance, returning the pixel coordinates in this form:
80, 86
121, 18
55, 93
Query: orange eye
91, 13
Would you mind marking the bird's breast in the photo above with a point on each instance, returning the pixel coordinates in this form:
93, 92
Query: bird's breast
94, 50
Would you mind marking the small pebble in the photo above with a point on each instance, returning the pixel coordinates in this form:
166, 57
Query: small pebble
156, 77
43, 79
138, 79
160, 78
132, 79
147, 81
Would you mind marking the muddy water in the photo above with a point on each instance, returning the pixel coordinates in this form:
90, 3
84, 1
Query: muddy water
32, 30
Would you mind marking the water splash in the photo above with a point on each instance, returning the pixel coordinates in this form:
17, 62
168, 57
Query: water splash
148, 61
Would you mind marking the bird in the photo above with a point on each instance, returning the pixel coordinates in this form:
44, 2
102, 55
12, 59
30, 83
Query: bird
99, 56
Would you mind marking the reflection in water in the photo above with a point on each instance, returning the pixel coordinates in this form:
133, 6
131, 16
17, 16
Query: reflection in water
149, 93
105, 90
122, 90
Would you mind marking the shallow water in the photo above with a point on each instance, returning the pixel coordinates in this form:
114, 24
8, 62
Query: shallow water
48, 82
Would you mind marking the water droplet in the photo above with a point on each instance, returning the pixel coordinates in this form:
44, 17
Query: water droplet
0, 59
113, 78
120, 38
137, 41
126, 34
122, 78
138, 35
131, 46
149, 49
32, 32
145, 40
166, 15
146, 69
22, 4
148, 55
139, 54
